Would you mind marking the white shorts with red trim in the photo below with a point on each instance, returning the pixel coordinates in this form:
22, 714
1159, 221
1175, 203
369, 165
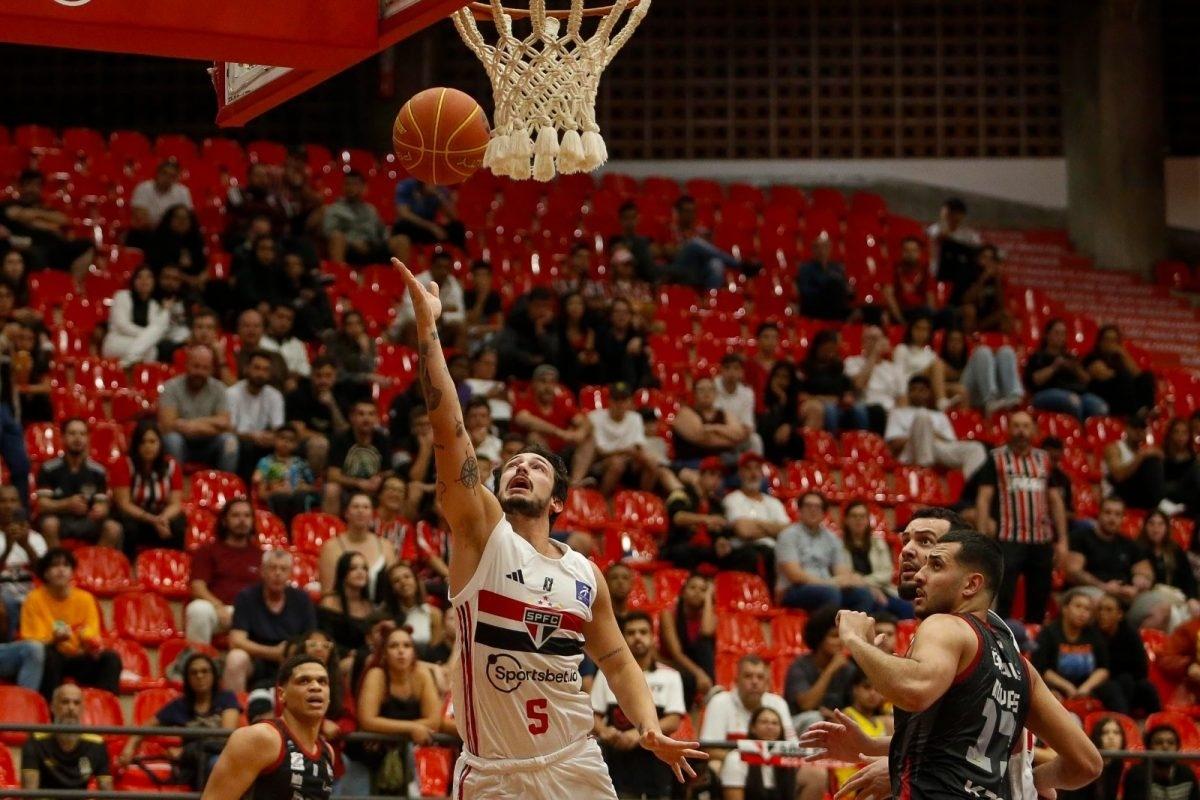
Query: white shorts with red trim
575, 772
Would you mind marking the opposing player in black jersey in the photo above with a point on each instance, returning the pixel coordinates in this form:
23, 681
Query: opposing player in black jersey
964, 692
284, 758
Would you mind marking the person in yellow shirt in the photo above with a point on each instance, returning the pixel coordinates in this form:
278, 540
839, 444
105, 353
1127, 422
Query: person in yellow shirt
868, 709
66, 619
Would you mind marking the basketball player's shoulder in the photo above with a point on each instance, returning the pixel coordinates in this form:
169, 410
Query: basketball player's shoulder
256, 746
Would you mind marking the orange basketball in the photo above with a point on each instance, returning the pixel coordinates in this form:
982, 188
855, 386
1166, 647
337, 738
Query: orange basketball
440, 135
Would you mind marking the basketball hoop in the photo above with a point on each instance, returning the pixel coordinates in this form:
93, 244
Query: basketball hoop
546, 83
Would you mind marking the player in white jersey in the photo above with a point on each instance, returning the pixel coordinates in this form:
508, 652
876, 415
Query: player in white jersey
841, 739
527, 609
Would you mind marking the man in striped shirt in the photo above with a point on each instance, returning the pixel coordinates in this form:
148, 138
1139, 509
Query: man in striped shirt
1017, 505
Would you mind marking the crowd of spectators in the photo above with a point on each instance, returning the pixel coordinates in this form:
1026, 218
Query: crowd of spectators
278, 380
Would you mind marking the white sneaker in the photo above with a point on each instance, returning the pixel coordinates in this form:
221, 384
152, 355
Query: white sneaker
1171, 508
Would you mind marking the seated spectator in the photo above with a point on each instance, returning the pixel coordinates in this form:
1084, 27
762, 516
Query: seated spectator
578, 358
298, 287
621, 344
398, 697
477, 416
403, 597
413, 454
875, 377
13, 271
756, 518
1181, 469
1134, 468
619, 436
624, 284
915, 356
255, 412
985, 378
953, 249
687, 628
205, 330
1072, 656
641, 247
358, 537
1057, 379
29, 366
1127, 662
1107, 734
147, 488
824, 289
703, 430
982, 305
910, 293
178, 240
178, 299
354, 233
482, 302
301, 200
40, 233
353, 351
65, 760
830, 401
1168, 779
812, 566
313, 411
203, 705
696, 526
281, 339
251, 332
73, 500
452, 322
1173, 598
20, 549
1102, 559
265, 616
153, 197
425, 214
734, 397
284, 479
692, 259
635, 771
255, 271
762, 360
66, 619
193, 415
396, 505
251, 199
1115, 377
742, 781
548, 417
346, 610
778, 423
619, 578
137, 321
358, 458
871, 557
919, 434
819, 681
221, 570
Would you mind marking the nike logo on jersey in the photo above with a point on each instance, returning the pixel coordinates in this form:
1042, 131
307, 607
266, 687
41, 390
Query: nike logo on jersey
516, 576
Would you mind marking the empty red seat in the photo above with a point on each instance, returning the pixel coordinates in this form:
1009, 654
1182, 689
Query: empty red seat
1101, 431
148, 379
741, 634
146, 705
144, 617
433, 769
805, 476
167, 572
19, 705
860, 446
103, 708
136, 673
43, 441
272, 533
641, 510
312, 529
821, 447
741, 591
8, 771
201, 527
102, 571
306, 574
668, 583
639, 599
212, 489
787, 633
585, 509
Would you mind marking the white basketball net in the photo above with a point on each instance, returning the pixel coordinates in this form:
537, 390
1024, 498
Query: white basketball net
546, 83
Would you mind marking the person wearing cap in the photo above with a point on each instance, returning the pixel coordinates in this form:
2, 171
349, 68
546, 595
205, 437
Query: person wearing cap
813, 567
548, 416
1133, 467
755, 517
697, 529
620, 437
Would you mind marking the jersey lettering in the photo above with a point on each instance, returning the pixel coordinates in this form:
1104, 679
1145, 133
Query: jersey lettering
539, 720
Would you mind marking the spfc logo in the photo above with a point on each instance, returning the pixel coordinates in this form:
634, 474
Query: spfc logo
541, 624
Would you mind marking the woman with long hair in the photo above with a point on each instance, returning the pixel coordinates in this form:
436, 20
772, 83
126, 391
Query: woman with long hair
137, 321
358, 537
1126, 655
986, 378
832, 403
202, 705
1181, 468
688, 627
148, 489
742, 781
871, 557
779, 421
345, 611
1172, 600
178, 240
352, 348
1057, 379
916, 356
404, 598
579, 361
1115, 377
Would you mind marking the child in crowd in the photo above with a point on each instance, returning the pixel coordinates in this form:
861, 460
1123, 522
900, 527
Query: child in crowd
285, 479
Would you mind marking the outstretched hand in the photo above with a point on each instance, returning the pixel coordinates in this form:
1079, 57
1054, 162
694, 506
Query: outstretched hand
839, 739
427, 302
673, 753
872, 782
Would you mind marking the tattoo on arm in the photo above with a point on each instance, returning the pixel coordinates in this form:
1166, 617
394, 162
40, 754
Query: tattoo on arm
469, 475
458, 428
608, 655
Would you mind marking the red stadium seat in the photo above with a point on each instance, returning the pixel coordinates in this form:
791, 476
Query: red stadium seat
8, 771
641, 510
1189, 735
18, 705
667, 585
272, 533
146, 705
103, 571
148, 379
170, 649
43, 441
107, 442
740, 633
434, 765
1182, 530
136, 673
312, 529
144, 617
906, 629
585, 509
967, 423
103, 708
639, 599
167, 572
306, 573
1101, 431
821, 447
861, 446
212, 489
726, 670
741, 591
779, 670
201, 527
787, 633
805, 476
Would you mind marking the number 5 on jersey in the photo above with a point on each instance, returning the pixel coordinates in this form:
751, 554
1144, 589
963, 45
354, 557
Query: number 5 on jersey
535, 712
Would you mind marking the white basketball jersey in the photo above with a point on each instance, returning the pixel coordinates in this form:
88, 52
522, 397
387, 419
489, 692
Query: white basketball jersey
520, 619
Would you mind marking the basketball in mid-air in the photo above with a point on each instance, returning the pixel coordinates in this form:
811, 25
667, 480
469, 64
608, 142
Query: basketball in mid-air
440, 136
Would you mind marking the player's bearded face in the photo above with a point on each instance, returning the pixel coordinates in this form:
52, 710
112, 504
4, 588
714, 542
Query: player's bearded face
526, 485
939, 586
917, 545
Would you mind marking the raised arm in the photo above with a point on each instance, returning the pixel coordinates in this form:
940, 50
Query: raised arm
470, 509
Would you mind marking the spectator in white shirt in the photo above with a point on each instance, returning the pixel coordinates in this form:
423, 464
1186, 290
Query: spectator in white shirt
452, 324
255, 411
920, 434
756, 517
734, 397
875, 376
137, 322
916, 356
279, 339
620, 436
727, 717
153, 196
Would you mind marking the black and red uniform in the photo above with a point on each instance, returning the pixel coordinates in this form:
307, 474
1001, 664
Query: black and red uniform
296, 774
960, 746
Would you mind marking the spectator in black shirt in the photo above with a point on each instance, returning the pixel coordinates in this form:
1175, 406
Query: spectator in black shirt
359, 459
779, 422
482, 302
1057, 380
1061, 481
73, 500
821, 282
41, 232
1104, 560
297, 287
1126, 656
178, 240
640, 246
621, 345
529, 337
65, 760
1115, 377
1169, 780
1181, 469
1072, 656
314, 411
696, 526
829, 401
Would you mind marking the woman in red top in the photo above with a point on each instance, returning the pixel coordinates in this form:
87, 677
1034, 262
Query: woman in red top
148, 488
